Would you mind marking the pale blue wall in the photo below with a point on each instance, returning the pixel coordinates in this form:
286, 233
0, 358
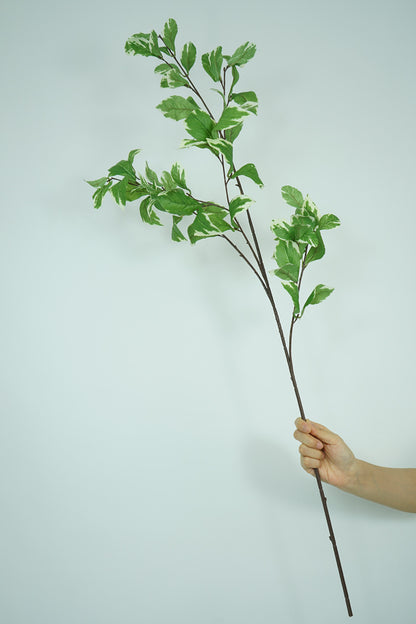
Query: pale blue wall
148, 469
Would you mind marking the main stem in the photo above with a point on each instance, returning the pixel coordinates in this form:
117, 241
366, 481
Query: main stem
289, 360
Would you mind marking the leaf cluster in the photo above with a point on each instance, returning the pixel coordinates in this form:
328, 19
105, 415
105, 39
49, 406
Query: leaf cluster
217, 135
300, 242
169, 194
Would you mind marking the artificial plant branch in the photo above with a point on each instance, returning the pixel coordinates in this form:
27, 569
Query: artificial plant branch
299, 241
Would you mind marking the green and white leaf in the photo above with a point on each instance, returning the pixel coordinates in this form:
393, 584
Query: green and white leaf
177, 107
287, 252
222, 146
138, 44
293, 291
132, 154
99, 194
231, 116
173, 79
206, 225
232, 133
288, 272
124, 168
119, 191
199, 125
176, 202
97, 183
247, 100
292, 196
282, 230
318, 294
212, 63
316, 253
236, 77
328, 222
188, 56
151, 175
167, 181
242, 55
147, 214
249, 171
239, 204
176, 233
154, 45
178, 174
169, 34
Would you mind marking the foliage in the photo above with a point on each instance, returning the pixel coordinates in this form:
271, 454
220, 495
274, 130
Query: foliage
299, 239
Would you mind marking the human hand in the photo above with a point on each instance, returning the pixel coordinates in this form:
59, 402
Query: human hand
321, 448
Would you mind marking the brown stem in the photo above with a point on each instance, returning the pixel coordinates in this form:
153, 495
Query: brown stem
302, 413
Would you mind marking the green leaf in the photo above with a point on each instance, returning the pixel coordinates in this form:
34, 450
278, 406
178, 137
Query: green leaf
287, 252
154, 45
288, 272
135, 191
138, 44
293, 291
119, 191
173, 79
282, 230
178, 174
124, 168
194, 143
236, 77
169, 33
238, 204
167, 181
199, 125
176, 233
163, 68
212, 63
315, 253
247, 100
176, 202
318, 294
132, 154
177, 107
188, 56
232, 133
243, 54
151, 176
329, 221
97, 183
292, 196
99, 194
230, 117
222, 146
249, 171
147, 214
206, 225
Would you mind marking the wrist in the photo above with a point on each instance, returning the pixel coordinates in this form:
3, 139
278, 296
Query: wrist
353, 476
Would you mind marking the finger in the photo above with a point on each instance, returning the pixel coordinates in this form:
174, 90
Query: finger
307, 439
308, 470
309, 463
306, 451
323, 433
316, 429
303, 425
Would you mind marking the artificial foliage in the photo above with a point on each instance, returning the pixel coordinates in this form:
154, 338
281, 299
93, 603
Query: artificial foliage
165, 195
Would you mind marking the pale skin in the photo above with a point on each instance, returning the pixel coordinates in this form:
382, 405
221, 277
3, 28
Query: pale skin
321, 448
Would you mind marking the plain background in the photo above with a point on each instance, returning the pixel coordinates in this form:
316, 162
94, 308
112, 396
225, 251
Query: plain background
148, 469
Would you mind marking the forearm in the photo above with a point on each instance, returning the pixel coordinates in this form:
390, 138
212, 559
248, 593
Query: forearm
394, 487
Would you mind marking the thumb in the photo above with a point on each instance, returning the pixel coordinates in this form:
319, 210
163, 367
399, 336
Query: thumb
323, 433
